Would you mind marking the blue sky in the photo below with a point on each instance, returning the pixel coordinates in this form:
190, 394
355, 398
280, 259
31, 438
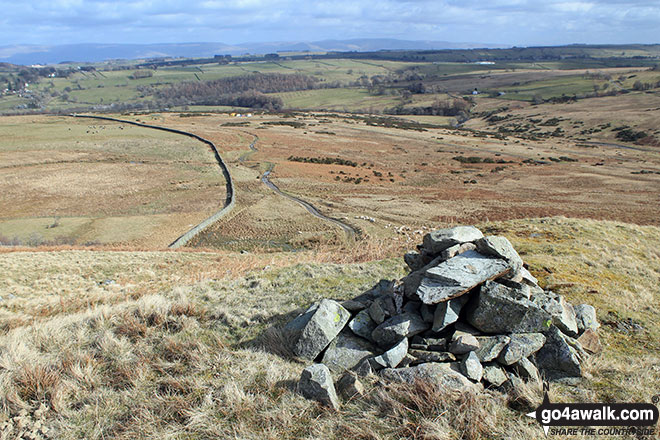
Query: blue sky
511, 22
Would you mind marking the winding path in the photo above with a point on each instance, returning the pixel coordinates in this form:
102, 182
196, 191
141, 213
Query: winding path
230, 199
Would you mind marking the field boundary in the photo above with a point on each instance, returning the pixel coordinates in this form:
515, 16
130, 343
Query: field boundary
230, 199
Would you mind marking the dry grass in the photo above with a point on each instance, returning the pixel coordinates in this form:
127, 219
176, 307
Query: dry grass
196, 358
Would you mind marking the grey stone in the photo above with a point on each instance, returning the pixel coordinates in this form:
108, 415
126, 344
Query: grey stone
494, 375
445, 375
525, 369
500, 309
428, 343
392, 357
349, 386
520, 346
466, 328
585, 317
362, 325
560, 357
450, 252
446, 313
458, 275
563, 315
312, 331
382, 308
398, 327
355, 306
412, 307
414, 260
408, 360
364, 368
347, 351
431, 356
520, 290
501, 247
427, 313
316, 384
590, 341
437, 241
462, 343
490, 347
528, 278
471, 367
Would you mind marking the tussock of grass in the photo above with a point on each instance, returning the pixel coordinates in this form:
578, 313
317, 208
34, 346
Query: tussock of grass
198, 357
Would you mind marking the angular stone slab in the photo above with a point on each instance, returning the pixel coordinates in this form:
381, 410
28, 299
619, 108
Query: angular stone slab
414, 260
590, 341
398, 327
525, 369
312, 331
520, 346
563, 315
490, 347
392, 357
471, 367
382, 308
442, 375
347, 351
458, 275
437, 241
422, 356
349, 386
362, 325
560, 357
316, 384
494, 375
499, 309
446, 313
462, 343
585, 316
501, 247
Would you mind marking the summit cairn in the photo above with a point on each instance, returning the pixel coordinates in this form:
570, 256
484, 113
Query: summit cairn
468, 315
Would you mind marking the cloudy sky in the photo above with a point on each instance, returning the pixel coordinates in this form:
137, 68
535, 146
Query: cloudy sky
511, 22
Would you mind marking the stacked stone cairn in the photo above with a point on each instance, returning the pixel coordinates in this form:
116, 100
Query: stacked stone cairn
468, 315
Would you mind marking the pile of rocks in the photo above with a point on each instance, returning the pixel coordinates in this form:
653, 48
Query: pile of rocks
468, 314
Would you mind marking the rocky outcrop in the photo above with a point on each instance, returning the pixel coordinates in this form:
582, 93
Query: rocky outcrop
468, 314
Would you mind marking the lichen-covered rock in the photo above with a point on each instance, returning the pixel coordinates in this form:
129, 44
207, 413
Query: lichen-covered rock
520, 346
362, 325
560, 357
346, 351
349, 386
525, 369
501, 247
471, 367
494, 375
316, 384
437, 241
456, 276
422, 356
501, 309
490, 347
462, 343
397, 327
563, 315
446, 313
585, 316
311, 332
392, 357
442, 375
382, 308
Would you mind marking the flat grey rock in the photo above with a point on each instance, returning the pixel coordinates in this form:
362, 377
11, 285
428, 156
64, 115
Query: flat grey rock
382, 308
398, 327
520, 346
560, 357
316, 384
490, 347
346, 351
525, 369
494, 375
444, 375
458, 275
499, 309
528, 278
501, 247
471, 367
311, 332
422, 356
462, 343
446, 313
392, 357
437, 241
362, 325
355, 306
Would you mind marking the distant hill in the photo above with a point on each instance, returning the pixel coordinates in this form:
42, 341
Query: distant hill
92, 52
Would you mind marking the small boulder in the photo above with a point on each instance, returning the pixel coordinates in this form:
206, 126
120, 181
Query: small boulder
349, 386
397, 327
354, 306
563, 315
311, 332
316, 384
446, 313
560, 357
392, 357
346, 351
437, 241
442, 375
520, 346
500, 309
462, 343
422, 356
494, 375
590, 341
382, 308
363, 369
585, 316
501, 247
525, 369
414, 260
471, 367
362, 325
490, 347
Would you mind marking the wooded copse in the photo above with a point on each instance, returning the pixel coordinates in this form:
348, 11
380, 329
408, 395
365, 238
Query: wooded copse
242, 91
